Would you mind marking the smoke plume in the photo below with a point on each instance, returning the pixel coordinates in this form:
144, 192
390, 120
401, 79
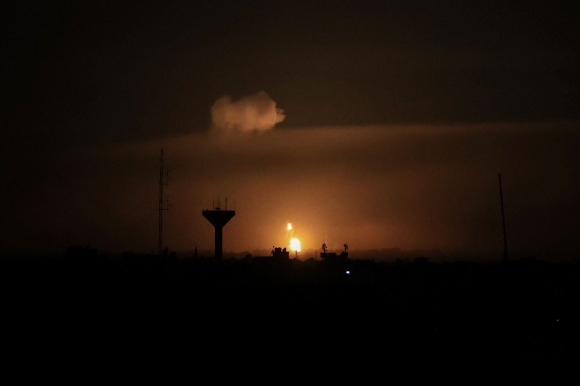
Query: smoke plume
253, 113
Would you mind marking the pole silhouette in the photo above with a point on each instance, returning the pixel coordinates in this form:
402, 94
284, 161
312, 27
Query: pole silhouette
162, 203
505, 249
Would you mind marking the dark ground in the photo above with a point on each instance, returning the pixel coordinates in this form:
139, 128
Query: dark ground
300, 313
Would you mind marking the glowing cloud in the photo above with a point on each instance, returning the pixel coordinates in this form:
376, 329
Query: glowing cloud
253, 113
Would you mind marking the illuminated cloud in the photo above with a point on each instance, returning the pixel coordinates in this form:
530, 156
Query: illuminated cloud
252, 113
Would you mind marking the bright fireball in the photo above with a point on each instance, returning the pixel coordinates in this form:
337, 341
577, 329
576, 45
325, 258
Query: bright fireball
295, 244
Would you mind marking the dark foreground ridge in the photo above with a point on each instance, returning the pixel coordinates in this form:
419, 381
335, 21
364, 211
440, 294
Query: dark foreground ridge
351, 310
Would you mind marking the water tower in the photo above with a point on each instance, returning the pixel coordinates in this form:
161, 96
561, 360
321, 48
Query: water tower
218, 218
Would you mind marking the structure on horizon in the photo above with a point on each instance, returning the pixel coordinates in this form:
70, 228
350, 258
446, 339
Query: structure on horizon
279, 253
332, 256
218, 218
163, 203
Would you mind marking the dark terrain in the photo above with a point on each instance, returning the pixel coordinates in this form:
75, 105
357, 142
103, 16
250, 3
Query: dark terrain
258, 309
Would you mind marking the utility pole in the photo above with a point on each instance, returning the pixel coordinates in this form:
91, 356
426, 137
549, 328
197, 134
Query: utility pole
505, 250
162, 202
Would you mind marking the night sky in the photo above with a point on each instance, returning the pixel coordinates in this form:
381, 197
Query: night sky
380, 124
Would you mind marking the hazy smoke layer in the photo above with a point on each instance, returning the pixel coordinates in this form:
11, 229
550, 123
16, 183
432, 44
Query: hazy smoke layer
255, 112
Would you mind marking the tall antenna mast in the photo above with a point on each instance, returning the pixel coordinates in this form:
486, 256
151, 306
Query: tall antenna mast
505, 250
163, 174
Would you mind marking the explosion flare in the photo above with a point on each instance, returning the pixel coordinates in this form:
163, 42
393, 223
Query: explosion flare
295, 244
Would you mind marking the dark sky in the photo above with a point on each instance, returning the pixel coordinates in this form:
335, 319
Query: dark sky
381, 124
